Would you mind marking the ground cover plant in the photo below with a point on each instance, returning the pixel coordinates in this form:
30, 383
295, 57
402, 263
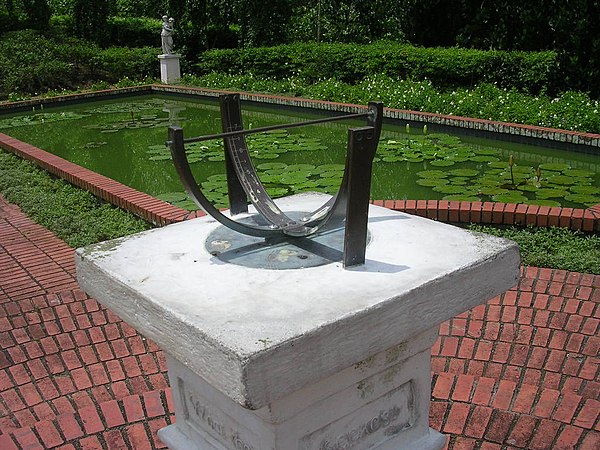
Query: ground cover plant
569, 111
74, 215
556, 248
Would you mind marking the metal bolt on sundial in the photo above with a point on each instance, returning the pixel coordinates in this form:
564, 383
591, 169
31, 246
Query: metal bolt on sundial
317, 234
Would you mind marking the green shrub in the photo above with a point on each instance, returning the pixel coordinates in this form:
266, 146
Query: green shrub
446, 67
570, 110
556, 248
76, 216
133, 31
115, 63
32, 63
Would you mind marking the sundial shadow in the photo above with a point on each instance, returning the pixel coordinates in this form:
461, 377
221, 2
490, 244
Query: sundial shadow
283, 252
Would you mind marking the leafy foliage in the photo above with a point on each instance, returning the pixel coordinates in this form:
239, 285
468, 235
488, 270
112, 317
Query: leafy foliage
569, 111
351, 63
76, 216
30, 62
556, 248
90, 19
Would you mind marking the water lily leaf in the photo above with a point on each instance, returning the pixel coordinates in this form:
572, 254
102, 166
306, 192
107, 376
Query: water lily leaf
276, 191
335, 181
442, 163
301, 168
293, 178
333, 174
160, 157
432, 174
414, 160
464, 172
580, 173
486, 151
392, 158
492, 190
484, 159
523, 169
266, 156
459, 181
271, 165
546, 193
590, 190
498, 165
528, 187
583, 198
329, 168
558, 167
562, 180
218, 178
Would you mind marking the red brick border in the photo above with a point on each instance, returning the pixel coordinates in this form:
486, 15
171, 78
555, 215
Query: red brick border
161, 213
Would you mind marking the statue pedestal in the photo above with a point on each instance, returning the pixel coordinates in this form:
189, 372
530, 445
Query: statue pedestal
315, 358
169, 68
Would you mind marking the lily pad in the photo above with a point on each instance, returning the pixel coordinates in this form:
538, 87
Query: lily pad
271, 165
277, 191
160, 157
590, 190
329, 168
528, 187
558, 167
301, 168
492, 190
583, 198
562, 180
464, 172
442, 163
293, 178
550, 193
449, 189
580, 173
487, 159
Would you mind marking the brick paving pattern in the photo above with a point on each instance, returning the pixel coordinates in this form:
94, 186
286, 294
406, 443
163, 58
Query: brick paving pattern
520, 372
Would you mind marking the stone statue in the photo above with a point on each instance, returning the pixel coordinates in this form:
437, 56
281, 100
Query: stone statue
167, 35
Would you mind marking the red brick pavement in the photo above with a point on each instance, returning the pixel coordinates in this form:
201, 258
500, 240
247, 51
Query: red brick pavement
520, 372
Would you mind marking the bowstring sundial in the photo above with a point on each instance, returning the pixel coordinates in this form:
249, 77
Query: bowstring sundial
270, 237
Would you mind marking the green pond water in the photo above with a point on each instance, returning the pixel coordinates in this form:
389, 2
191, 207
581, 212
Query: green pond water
124, 140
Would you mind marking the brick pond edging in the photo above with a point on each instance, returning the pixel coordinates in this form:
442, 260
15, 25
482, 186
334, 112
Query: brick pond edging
161, 213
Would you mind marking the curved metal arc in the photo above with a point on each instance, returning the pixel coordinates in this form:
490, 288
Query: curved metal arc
329, 215
187, 178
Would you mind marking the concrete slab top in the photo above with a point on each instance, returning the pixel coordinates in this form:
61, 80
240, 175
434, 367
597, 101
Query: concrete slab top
249, 322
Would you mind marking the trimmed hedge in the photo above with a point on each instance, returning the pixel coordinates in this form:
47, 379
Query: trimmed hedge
32, 63
120, 31
532, 72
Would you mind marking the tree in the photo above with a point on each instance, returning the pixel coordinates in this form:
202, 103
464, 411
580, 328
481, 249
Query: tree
38, 14
90, 18
263, 24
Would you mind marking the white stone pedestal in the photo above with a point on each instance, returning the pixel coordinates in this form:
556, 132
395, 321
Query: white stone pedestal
169, 68
316, 358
